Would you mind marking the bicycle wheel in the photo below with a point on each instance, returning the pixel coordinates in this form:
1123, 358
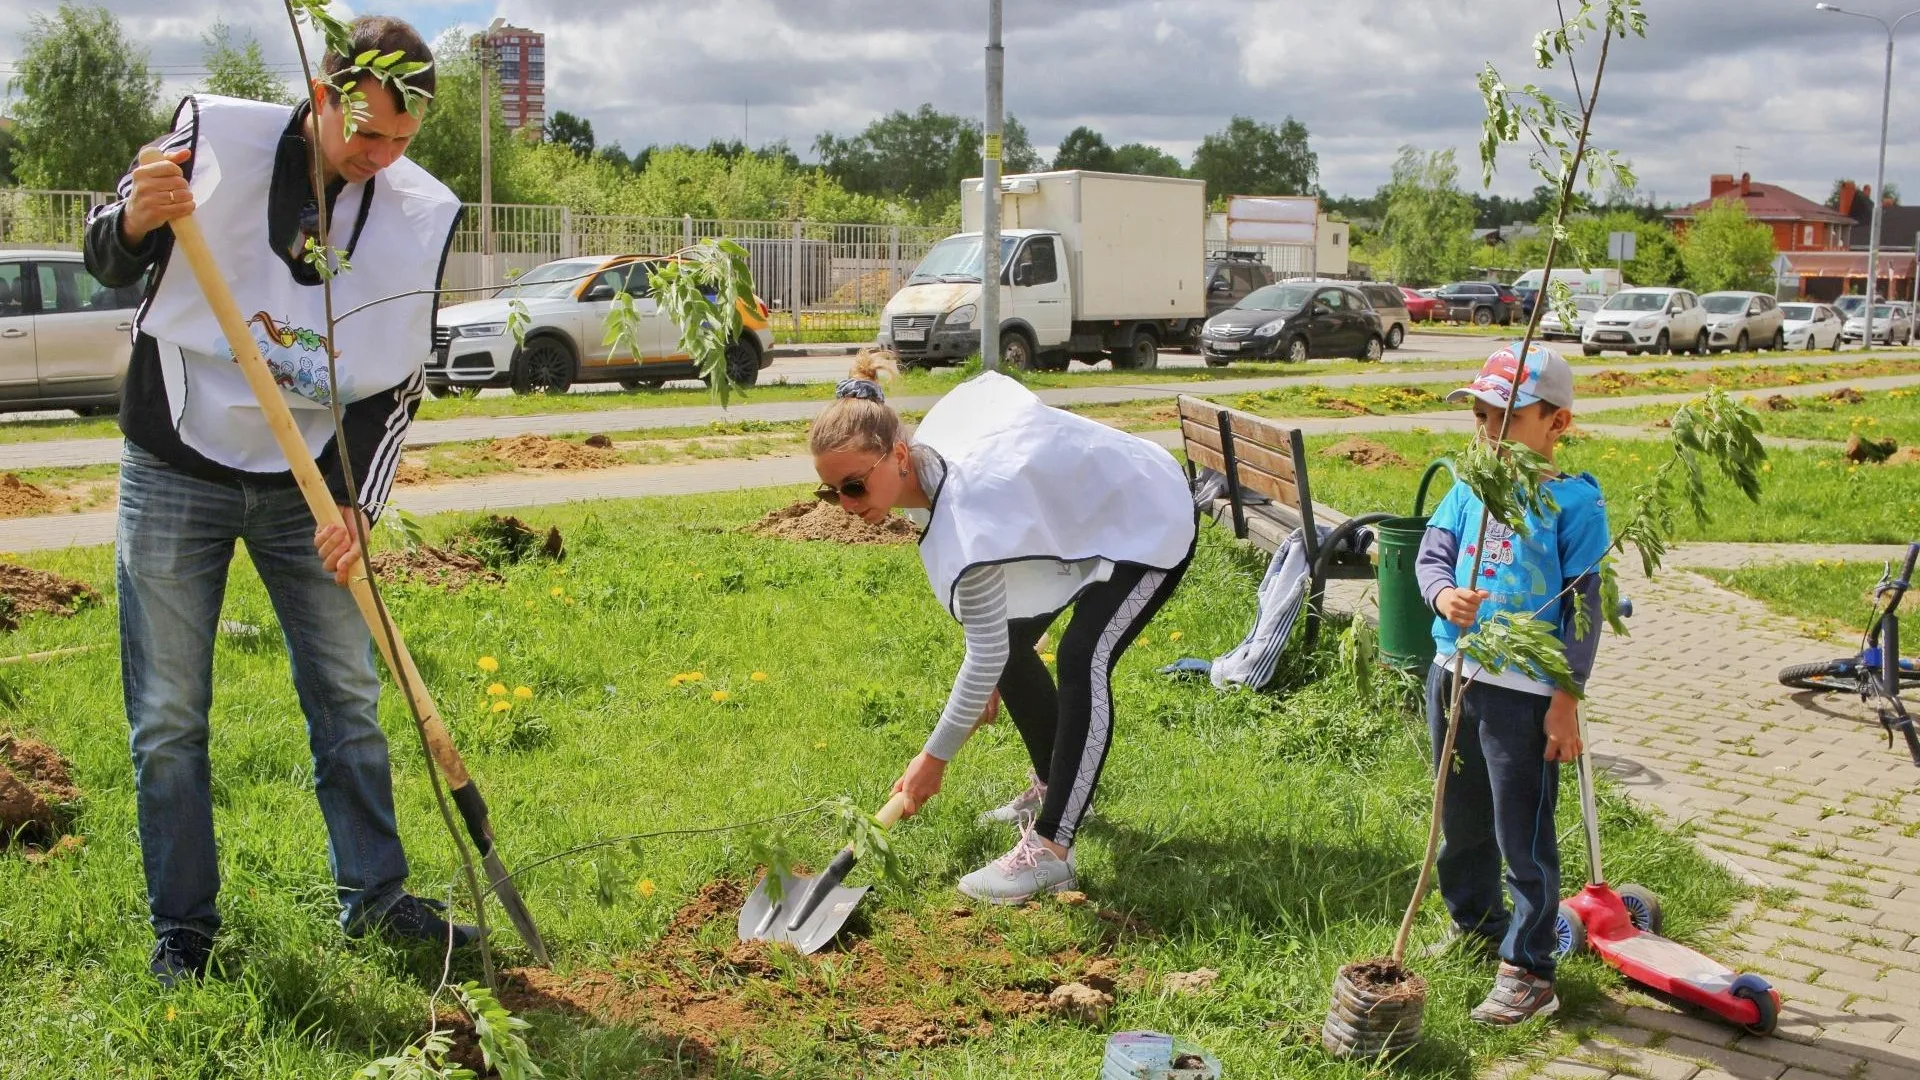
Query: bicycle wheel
1842, 676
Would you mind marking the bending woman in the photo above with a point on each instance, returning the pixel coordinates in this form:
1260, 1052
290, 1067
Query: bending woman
1028, 510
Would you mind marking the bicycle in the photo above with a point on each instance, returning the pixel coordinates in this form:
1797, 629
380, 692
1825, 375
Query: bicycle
1877, 672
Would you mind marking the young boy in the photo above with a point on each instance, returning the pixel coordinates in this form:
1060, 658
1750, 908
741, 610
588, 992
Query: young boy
1515, 728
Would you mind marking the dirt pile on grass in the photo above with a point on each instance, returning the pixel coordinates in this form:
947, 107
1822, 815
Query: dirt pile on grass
1865, 451
1776, 403
1366, 453
36, 784
815, 520
542, 452
19, 498
472, 555
411, 472
933, 982
26, 591
450, 570
1847, 395
1906, 455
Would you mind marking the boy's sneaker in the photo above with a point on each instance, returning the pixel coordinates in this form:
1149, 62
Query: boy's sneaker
1518, 995
414, 919
1462, 940
180, 955
1021, 874
1025, 806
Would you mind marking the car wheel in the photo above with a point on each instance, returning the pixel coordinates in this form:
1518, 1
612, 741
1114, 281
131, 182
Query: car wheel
1396, 335
544, 365
1483, 316
1836, 343
1190, 343
1016, 350
1700, 344
1373, 350
743, 363
1779, 342
1742, 345
1590, 350
1297, 351
1662, 345
1142, 352
452, 390
642, 384
98, 410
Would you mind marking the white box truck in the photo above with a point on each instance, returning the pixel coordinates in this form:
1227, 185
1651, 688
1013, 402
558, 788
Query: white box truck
1094, 265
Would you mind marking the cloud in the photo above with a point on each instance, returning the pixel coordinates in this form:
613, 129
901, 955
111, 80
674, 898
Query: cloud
1799, 90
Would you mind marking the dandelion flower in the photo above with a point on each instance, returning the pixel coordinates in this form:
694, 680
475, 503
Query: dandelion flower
1175, 636
556, 592
172, 1014
569, 601
496, 690
1145, 641
644, 888
698, 576
488, 664
718, 695
758, 676
1046, 658
819, 746
523, 693
502, 706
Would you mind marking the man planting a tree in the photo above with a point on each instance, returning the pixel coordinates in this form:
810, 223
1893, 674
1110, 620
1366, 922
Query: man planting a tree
201, 468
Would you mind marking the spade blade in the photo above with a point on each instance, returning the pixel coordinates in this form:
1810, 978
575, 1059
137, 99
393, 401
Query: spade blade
761, 919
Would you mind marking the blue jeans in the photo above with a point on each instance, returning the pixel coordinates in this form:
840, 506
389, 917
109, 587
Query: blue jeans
175, 541
1499, 807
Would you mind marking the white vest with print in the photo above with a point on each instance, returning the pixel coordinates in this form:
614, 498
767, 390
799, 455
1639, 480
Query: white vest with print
399, 250
1052, 498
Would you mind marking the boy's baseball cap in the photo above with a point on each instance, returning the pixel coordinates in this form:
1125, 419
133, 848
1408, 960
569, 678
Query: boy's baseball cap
1546, 377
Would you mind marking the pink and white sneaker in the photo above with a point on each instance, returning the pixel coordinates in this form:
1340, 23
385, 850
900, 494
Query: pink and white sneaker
1021, 874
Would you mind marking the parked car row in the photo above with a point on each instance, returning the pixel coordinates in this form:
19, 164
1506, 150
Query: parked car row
64, 337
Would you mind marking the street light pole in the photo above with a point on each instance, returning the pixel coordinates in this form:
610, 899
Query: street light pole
990, 192
1880, 176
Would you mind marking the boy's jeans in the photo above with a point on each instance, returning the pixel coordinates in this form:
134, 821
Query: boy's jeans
1499, 805
175, 540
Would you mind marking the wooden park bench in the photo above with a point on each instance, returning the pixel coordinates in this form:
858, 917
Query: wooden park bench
1268, 495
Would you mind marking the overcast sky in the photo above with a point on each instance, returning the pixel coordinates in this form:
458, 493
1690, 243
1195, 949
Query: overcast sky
1799, 89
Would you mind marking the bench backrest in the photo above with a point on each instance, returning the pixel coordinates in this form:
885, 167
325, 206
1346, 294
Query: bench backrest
1255, 454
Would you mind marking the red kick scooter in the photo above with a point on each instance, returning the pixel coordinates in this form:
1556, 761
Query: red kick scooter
1623, 926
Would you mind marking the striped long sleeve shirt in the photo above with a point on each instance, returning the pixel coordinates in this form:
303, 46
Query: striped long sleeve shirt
980, 601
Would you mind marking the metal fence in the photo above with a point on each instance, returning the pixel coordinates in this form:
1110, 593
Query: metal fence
46, 219
824, 281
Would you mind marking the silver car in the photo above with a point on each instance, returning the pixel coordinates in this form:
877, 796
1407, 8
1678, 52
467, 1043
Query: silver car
1553, 328
1742, 321
65, 339
1891, 323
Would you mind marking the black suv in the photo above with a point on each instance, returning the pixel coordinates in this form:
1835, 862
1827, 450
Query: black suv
1478, 302
1230, 276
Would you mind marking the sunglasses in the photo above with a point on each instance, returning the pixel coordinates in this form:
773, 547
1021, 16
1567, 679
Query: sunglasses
854, 487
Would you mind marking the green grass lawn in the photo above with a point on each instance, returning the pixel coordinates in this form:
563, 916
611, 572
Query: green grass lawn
1271, 837
1833, 595
1809, 497
1884, 414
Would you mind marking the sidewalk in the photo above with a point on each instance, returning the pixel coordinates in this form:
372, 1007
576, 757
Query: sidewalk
76, 452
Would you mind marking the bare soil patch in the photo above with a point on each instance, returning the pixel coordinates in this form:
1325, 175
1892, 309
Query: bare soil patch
890, 985
1847, 395
1367, 454
36, 785
1776, 403
1906, 455
410, 473
815, 520
450, 570
1385, 980
21, 499
542, 452
1865, 451
26, 591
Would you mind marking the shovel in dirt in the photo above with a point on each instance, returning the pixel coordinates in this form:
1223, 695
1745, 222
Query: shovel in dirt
811, 910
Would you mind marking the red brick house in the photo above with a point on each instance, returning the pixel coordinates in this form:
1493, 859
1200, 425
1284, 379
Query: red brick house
1826, 251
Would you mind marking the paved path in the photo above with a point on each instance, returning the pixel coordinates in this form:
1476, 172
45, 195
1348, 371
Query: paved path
1799, 793
63, 453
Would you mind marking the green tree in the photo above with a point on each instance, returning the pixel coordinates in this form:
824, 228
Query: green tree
920, 157
1428, 223
6, 156
1725, 249
1249, 157
1656, 258
1084, 148
1890, 193
448, 145
86, 100
1143, 160
573, 132
238, 68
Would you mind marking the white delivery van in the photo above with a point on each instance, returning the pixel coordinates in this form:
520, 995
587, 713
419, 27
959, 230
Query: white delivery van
1094, 265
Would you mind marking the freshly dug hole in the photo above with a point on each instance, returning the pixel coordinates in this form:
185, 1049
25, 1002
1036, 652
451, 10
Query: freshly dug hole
815, 520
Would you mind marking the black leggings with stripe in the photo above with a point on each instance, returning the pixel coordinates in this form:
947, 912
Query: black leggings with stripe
1068, 729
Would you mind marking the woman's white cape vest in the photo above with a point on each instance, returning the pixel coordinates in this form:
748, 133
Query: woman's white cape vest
399, 250
1044, 494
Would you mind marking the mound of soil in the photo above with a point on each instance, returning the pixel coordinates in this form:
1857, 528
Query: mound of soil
411, 472
1385, 980
1776, 403
1866, 451
1366, 453
26, 591
815, 520
936, 983
503, 540
1190, 982
450, 570
542, 452
1906, 455
600, 442
1847, 395
19, 498
35, 783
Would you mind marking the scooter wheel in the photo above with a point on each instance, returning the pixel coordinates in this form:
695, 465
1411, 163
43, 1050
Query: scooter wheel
1570, 931
1642, 907
1760, 992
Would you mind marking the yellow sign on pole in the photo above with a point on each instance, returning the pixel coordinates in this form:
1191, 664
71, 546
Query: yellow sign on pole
993, 148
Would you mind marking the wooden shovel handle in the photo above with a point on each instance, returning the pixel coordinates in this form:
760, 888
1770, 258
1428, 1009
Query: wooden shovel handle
895, 809
192, 242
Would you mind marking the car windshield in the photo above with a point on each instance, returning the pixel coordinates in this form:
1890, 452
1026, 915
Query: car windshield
1724, 305
1277, 298
1883, 311
551, 280
1587, 303
957, 258
1797, 312
1637, 301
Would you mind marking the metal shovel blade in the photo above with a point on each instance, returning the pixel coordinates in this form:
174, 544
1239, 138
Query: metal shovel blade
517, 912
763, 920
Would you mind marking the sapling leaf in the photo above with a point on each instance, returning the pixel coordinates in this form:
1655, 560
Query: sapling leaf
497, 1031
1509, 481
771, 850
1509, 640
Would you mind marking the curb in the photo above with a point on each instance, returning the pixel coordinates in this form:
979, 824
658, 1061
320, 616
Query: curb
789, 352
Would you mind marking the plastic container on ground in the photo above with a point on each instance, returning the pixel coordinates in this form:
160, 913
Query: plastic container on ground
1150, 1055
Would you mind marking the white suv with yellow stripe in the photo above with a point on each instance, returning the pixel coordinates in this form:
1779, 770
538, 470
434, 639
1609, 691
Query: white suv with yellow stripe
567, 303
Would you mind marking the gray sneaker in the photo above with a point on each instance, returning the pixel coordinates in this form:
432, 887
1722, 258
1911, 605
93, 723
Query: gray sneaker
1518, 995
1021, 874
1024, 807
